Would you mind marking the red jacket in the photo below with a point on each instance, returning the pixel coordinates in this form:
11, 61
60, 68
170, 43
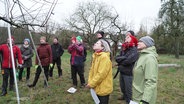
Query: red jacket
77, 54
7, 61
45, 54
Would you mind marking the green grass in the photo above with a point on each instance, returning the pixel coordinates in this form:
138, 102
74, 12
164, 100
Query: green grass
170, 86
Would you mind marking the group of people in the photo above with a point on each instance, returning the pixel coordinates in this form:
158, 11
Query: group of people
137, 64
47, 56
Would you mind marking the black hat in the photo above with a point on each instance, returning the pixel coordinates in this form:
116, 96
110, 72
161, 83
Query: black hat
131, 32
100, 32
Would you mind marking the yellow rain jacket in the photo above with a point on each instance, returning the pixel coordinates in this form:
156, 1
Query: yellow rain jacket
100, 75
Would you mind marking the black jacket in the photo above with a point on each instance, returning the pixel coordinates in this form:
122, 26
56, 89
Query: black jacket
126, 60
57, 51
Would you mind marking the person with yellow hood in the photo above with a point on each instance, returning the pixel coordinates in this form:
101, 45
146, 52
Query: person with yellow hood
100, 76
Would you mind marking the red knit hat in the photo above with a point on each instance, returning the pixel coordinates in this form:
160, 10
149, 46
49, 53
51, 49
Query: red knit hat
73, 38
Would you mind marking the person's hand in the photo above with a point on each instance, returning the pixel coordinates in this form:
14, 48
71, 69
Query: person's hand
51, 65
88, 86
143, 102
20, 66
25, 57
36, 66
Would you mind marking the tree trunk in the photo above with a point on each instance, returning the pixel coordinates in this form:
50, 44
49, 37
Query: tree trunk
176, 48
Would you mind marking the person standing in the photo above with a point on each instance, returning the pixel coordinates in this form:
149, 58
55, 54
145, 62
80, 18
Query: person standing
27, 54
145, 72
100, 74
7, 68
57, 52
126, 60
100, 35
76, 50
45, 56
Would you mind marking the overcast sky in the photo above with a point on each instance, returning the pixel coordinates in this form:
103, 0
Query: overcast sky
135, 12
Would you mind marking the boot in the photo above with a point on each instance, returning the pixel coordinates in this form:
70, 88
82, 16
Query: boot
30, 85
3, 93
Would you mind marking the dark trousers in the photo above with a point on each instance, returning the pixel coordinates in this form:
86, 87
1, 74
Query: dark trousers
104, 99
38, 72
58, 63
126, 87
6, 73
77, 69
28, 73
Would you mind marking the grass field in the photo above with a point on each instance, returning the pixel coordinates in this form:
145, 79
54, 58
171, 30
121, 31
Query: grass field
170, 86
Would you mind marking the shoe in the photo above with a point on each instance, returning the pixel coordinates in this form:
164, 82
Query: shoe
3, 93
30, 86
83, 86
20, 80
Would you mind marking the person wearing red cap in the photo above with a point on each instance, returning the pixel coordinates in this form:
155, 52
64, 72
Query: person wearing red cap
76, 49
7, 68
126, 60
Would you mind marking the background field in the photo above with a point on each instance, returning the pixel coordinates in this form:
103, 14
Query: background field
170, 86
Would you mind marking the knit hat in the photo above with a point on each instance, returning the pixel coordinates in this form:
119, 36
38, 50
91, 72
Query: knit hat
79, 38
147, 40
26, 39
131, 32
100, 32
73, 38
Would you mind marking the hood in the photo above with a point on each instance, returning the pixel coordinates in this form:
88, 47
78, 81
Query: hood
100, 53
150, 50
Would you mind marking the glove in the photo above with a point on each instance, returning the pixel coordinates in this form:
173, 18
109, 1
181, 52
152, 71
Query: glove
36, 66
51, 65
143, 102
25, 57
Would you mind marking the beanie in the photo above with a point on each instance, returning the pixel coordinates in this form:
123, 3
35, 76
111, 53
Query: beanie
100, 32
147, 40
131, 32
26, 39
79, 38
73, 38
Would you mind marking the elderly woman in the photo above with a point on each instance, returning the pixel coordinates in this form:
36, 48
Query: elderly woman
145, 72
100, 75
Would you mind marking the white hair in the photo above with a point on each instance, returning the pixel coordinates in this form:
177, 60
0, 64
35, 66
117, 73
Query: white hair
105, 45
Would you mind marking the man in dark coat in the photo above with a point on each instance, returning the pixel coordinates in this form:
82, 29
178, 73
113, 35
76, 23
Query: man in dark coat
57, 52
